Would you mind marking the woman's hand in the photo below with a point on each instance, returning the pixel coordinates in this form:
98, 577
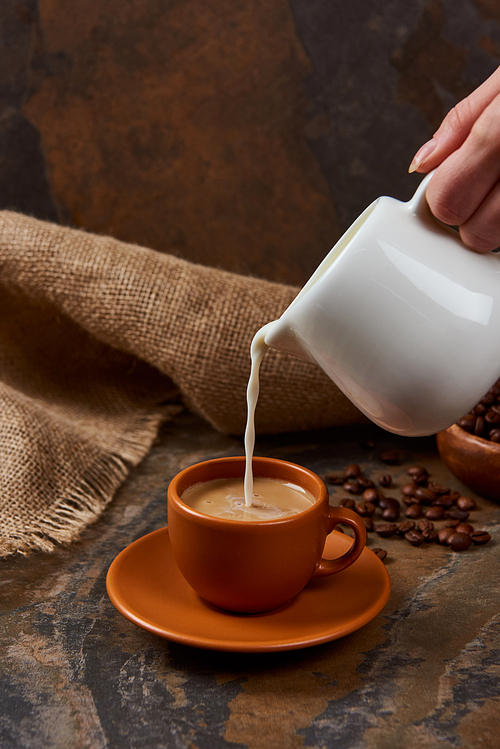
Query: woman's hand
465, 152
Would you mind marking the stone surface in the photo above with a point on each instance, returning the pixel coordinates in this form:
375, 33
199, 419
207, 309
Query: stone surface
424, 673
247, 136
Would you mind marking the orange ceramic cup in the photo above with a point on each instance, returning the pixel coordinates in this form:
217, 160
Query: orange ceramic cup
252, 567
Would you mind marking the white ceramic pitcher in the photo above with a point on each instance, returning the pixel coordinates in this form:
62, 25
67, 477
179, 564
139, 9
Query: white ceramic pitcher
402, 317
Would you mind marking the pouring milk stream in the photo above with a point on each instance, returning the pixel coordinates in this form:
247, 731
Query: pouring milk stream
401, 316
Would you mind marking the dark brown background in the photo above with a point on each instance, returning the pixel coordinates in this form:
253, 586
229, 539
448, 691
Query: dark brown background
246, 135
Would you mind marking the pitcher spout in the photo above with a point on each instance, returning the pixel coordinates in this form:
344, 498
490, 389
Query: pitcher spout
281, 336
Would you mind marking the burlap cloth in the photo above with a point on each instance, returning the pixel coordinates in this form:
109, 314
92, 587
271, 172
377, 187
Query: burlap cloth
96, 337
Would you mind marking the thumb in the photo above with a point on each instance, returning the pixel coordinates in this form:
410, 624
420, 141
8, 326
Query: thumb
456, 126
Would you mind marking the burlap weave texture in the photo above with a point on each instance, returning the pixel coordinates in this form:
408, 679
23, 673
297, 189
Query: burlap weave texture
96, 335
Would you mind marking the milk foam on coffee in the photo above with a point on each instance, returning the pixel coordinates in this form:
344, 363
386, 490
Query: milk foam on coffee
273, 499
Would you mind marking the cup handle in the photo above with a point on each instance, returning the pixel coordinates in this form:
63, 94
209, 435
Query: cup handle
338, 515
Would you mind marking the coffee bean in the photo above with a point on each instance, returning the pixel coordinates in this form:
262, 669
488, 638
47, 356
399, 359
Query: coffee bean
365, 483
335, 477
466, 503
425, 525
445, 501
408, 490
492, 417
495, 435
459, 541
370, 495
465, 528
444, 535
417, 471
415, 538
405, 526
429, 535
413, 511
434, 513
365, 509
385, 480
451, 523
385, 530
385, 502
479, 426
455, 514
368, 524
352, 486
480, 537
347, 502
380, 553
437, 488
391, 457
391, 514
425, 496
409, 501
467, 422
352, 471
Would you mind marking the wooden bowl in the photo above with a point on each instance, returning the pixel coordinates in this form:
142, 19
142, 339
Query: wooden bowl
473, 460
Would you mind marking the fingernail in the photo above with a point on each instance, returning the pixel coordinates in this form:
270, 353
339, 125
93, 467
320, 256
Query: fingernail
422, 155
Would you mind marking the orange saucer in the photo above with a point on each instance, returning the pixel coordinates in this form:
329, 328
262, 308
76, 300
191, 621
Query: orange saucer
145, 585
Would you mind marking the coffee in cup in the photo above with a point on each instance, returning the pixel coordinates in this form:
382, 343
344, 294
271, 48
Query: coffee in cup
257, 565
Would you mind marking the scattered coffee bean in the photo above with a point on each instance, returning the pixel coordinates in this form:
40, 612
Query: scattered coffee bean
365, 509
420, 496
385, 480
385, 502
437, 488
415, 538
391, 457
444, 535
347, 502
368, 524
408, 490
352, 486
417, 471
385, 530
429, 535
405, 526
335, 477
409, 501
391, 514
425, 525
352, 471
434, 513
370, 495
446, 501
455, 514
480, 537
425, 496
466, 503
365, 483
459, 541
465, 528
380, 553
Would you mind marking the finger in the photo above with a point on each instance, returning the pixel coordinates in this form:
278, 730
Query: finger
456, 126
482, 231
464, 180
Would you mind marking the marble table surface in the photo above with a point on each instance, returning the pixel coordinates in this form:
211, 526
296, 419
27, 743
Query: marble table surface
425, 672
